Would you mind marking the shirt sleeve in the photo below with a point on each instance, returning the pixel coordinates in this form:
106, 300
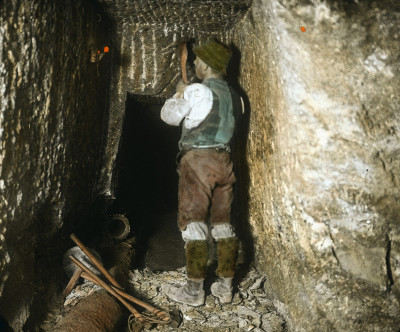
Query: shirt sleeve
194, 107
200, 100
174, 110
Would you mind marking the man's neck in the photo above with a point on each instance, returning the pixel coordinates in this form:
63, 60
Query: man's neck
213, 75
210, 73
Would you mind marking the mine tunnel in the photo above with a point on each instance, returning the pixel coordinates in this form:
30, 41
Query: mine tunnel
147, 183
316, 202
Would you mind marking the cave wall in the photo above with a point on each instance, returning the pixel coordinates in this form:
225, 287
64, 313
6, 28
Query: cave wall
52, 121
323, 156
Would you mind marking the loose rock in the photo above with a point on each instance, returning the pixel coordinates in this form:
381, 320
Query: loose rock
250, 310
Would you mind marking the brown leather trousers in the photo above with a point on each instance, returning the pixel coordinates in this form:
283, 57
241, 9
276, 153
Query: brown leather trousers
205, 187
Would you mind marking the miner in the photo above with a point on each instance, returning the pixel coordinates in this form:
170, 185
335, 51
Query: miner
207, 111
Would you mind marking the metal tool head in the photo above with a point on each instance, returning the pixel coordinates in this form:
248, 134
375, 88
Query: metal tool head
70, 267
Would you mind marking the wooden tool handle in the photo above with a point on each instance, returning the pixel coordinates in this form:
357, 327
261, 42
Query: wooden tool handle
183, 55
107, 288
161, 314
94, 260
72, 282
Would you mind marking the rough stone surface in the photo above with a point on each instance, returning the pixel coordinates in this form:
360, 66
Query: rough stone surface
323, 156
52, 118
205, 16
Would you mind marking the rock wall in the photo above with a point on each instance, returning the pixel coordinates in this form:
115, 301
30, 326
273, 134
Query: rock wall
323, 156
52, 121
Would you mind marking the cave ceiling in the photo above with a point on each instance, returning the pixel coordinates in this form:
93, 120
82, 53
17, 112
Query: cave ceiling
205, 15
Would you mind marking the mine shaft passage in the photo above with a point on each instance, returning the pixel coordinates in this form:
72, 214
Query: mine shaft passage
147, 183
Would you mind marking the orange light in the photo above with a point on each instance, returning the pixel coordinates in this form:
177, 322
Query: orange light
302, 28
98, 51
106, 49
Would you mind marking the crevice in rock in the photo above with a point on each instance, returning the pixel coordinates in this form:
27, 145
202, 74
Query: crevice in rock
390, 280
380, 157
333, 249
336, 257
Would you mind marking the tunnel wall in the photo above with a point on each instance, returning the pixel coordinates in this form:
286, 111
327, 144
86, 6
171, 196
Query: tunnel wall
323, 156
52, 117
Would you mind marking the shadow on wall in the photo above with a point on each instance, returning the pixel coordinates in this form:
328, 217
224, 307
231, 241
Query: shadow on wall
4, 327
240, 207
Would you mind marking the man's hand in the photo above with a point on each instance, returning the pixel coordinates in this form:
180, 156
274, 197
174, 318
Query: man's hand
180, 88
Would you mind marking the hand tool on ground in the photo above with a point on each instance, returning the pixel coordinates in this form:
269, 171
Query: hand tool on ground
161, 314
72, 282
109, 289
116, 289
94, 260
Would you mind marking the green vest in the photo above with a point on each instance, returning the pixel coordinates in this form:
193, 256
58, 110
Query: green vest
217, 128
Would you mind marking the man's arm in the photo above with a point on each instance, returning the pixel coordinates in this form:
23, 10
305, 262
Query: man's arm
176, 108
200, 99
194, 107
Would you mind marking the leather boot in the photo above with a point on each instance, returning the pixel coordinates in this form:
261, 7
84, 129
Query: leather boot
192, 293
227, 250
196, 265
222, 289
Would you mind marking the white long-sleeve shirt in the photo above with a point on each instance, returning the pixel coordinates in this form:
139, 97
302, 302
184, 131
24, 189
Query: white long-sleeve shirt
193, 108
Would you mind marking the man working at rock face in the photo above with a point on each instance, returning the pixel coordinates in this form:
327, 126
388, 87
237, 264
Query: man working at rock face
205, 172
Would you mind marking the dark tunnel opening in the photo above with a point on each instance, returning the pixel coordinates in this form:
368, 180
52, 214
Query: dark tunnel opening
147, 183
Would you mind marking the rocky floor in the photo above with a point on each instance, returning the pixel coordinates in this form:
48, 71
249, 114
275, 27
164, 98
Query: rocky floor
250, 310
163, 256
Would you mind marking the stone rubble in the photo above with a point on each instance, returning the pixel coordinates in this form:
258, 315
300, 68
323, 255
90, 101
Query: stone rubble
250, 310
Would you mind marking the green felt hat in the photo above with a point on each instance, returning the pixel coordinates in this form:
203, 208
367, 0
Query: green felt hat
214, 54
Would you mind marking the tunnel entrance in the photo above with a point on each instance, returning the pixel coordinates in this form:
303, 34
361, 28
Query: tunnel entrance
147, 183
